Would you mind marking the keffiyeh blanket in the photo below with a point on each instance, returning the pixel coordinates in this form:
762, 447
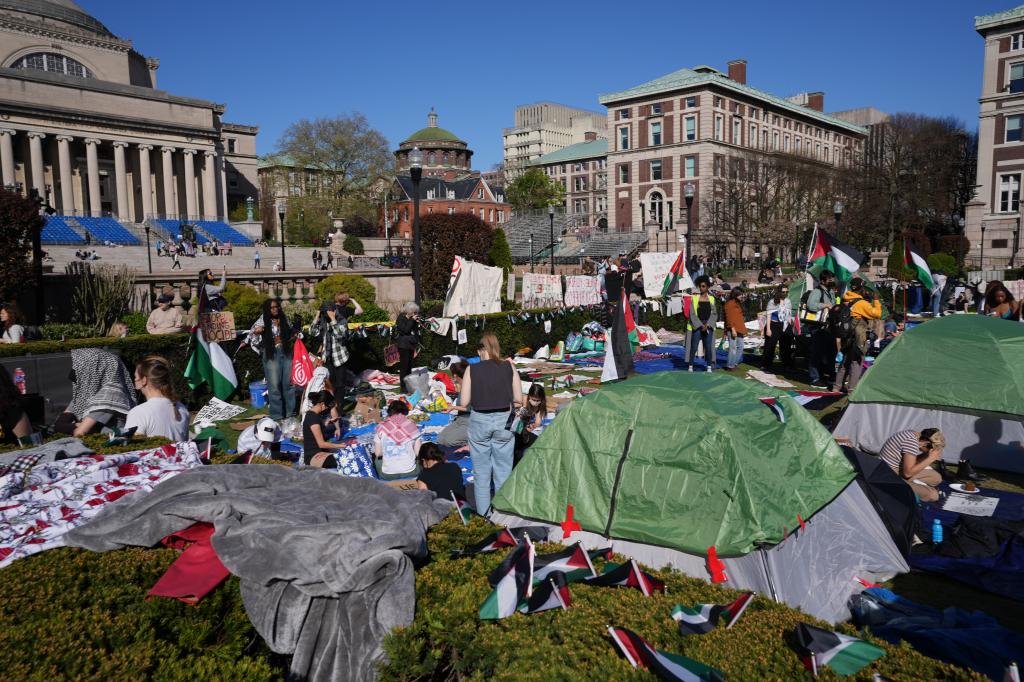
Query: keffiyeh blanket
40, 504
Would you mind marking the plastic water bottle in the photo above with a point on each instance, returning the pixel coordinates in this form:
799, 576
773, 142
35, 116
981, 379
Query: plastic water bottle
936, 532
19, 380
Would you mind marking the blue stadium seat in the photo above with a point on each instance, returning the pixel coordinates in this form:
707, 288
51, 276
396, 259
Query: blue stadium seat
223, 232
173, 229
107, 229
56, 231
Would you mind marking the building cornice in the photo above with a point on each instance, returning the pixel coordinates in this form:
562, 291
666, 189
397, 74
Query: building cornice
239, 128
60, 114
13, 25
107, 87
999, 19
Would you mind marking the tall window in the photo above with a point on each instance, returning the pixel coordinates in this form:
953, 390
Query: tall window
656, 207
624, 137
753, 136
579, 205
1017, 41
602, 204
1013, 126
624, 174
717, 166
655, 134
718, 126
579, 184
797, 146
690, 166
736, 123
691, 128
432, 159
656, 170
53, 63
764, 139
775, 140
1009, 193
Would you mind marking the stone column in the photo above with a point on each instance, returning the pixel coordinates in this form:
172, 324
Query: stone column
209, 186
35, 141
7, 155
222, 163
121, 182
93, 167
191, 209
67, 190
146, 181
170, 205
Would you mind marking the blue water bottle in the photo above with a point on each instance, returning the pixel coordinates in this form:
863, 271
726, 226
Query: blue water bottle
936, 532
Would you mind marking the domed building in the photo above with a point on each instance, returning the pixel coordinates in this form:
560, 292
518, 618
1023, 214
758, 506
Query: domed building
444, 154
83, 124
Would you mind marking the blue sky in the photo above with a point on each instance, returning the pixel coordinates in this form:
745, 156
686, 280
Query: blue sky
275, 62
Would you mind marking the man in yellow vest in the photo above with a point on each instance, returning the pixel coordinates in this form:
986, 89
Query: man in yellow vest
701, 316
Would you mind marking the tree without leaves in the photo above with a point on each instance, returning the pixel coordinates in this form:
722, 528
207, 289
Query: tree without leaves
442, 237
534, 189
19, 217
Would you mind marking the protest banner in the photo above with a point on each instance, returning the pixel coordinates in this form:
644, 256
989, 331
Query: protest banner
541, 291
582, 290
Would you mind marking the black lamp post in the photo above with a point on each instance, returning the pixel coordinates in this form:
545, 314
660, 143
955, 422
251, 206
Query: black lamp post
149, 255
551, 219
280, 217
416, 173
531, 252
838, 211
688, 192
983, 246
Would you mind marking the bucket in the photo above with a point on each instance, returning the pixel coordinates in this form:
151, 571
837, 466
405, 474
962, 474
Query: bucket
258, 394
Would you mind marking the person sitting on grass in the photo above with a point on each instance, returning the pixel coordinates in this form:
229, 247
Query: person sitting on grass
315, 446
396, 442
102, 393
161, 414
910, 454
438, 476
456, 434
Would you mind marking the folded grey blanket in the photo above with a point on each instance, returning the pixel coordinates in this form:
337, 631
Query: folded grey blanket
324, 560
62, 448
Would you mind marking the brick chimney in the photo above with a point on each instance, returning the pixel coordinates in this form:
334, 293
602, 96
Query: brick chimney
816, 101
589, 136
738, 71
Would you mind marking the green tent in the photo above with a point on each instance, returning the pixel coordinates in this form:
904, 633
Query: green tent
680, 460
963, 374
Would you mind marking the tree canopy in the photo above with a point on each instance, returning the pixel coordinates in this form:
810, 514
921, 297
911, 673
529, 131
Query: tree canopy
20, 218
534, 189
444, 236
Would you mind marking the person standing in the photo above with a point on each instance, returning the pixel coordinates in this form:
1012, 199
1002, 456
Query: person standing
330, 260
211, 296
939, 283
316, 265
165, 319
11, 329
777, 329
177, 260
701, 322
271, 337
492, 389
332, 329
864, 308
735, 328
821, 360
256, 258
407, 327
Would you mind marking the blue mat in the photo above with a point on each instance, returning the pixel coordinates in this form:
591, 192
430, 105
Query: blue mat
1002, 574
676, 362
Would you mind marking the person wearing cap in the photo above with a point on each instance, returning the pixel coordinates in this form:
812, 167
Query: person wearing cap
910, 454
165, 319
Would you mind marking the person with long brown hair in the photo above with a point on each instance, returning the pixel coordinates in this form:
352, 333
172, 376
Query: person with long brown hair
11, 328
161, 414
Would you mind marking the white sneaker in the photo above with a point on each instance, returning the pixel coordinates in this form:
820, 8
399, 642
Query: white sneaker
691, 368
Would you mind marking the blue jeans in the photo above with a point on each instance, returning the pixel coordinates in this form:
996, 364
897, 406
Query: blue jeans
936, 302
735, 351
277, 368
708, 339
491, 448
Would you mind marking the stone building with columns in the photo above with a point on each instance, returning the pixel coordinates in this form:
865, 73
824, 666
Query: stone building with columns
83, 123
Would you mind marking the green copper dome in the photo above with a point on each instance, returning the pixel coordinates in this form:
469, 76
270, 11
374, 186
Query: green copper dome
432, 133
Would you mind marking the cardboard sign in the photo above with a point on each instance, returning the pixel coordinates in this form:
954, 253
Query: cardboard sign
541, 291
218, 326
656, 266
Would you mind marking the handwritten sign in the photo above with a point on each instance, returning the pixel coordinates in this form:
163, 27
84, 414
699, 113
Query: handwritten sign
582, 290
541, 291
218, 326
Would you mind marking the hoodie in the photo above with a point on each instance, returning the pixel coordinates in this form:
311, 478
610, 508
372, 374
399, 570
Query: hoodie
861, 309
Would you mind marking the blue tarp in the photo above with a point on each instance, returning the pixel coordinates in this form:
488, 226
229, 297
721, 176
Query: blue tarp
1002, 574
676, 362
971, 639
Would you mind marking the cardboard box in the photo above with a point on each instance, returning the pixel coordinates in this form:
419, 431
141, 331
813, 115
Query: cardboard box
368, 407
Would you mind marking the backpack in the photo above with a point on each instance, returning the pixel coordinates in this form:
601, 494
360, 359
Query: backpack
574, 342
840, 321
820, 317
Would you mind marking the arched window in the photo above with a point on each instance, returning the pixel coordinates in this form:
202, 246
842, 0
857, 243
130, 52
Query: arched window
656, 208
445, 158
53, 63
432, 159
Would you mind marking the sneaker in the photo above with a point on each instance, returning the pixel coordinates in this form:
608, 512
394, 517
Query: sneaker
709, 369
691, 368
819, 387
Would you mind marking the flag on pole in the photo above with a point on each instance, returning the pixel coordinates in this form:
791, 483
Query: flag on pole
667, 666
844, 654
465, 511
620, 341
916, 262
828, 253
302, 366
627, 575
491, 543
704, 618
552, 593
209, 364
573, 562
513, 584
677, 279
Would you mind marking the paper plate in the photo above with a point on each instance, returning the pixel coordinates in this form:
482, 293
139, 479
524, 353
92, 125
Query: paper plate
959, 487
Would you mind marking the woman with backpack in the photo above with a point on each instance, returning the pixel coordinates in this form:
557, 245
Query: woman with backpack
850, 322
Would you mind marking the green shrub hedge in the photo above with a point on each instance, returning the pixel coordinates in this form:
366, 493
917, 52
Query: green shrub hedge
356, 286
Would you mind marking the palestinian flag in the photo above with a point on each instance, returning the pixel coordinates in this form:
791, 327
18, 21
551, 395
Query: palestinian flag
465, 511
667, 666
574, 562
828, 253
916, 262
602, 553
627, 575
513, 584
553, 593
620, 341
844, 654
209, 364
706, 617
677, 279
491, 543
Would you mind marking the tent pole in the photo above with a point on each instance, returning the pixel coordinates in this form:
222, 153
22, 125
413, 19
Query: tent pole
767, 571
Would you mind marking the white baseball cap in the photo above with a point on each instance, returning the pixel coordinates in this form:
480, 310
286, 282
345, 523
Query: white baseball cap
268, 431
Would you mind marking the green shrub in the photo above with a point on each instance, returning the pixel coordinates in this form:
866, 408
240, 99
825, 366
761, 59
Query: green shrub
500, 253
245, 302
372, 313
942, 261
136, 323
56, 332
356, 286
353, 245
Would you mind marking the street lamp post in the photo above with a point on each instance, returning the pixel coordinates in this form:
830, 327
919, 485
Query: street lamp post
983, 246
149, 255
280, 218
960, 249
688, 192
551, 219
416, 173
838, 211
531, 252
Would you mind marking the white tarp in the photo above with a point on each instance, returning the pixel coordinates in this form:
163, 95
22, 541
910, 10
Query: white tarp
655, 267
582, 290
541, 291
473, 289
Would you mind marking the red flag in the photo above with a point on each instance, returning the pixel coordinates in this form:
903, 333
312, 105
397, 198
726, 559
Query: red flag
302, 366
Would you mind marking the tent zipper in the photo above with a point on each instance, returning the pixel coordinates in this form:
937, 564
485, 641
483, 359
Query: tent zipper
615, 485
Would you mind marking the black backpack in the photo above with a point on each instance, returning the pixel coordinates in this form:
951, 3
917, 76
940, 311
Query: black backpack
840, 321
